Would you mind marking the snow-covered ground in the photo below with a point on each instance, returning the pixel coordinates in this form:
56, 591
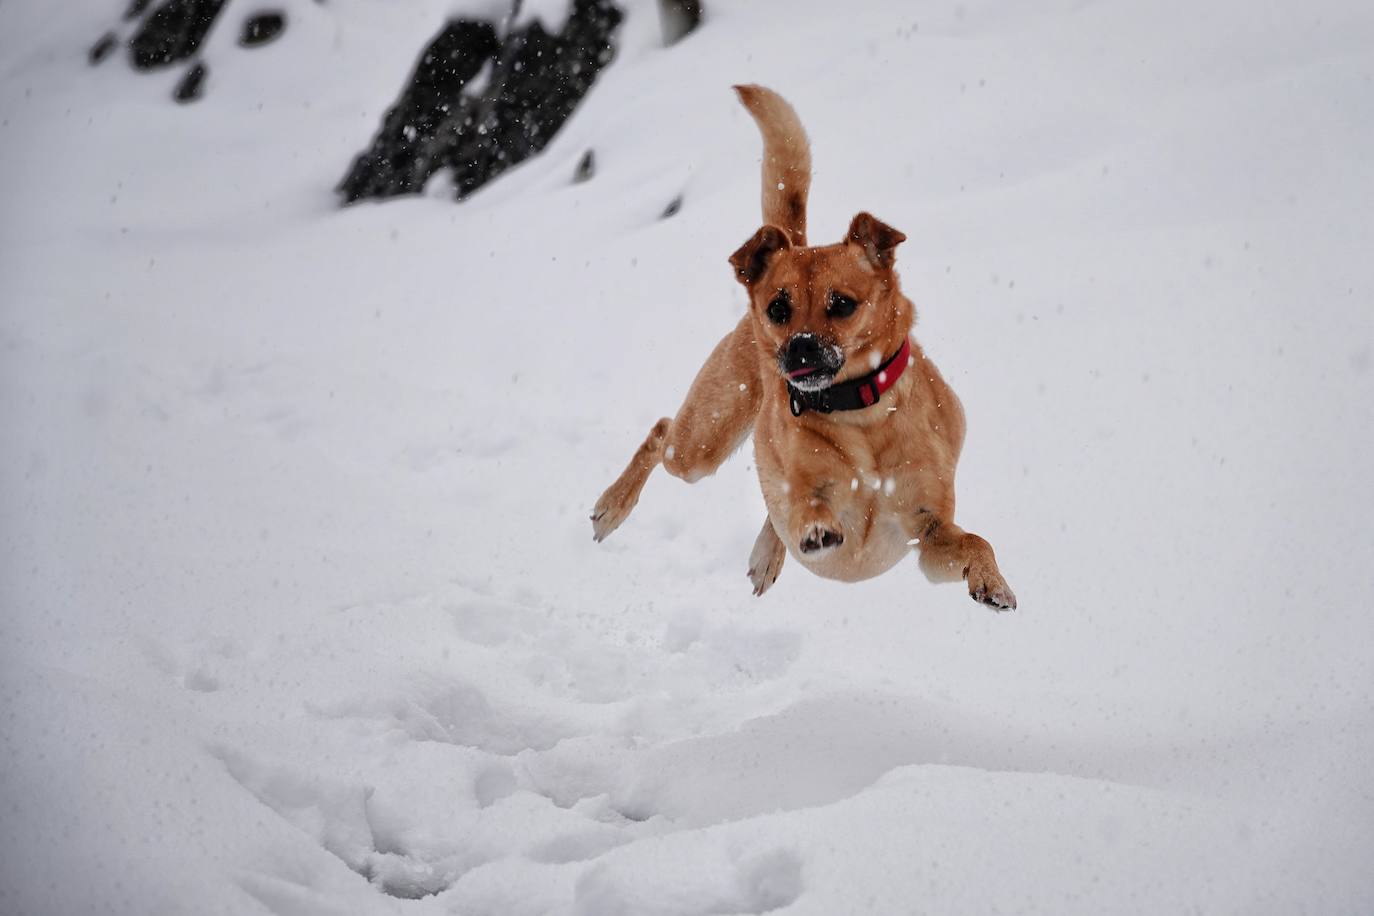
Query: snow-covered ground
300, 608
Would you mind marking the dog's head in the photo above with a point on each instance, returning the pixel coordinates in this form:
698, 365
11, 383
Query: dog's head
831, 312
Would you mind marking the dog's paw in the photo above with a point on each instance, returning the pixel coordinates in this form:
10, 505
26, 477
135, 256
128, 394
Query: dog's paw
765, 562
818, 538
819, 532
986, 586
611, 509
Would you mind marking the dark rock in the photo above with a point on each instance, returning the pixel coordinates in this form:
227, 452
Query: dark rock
137, 8
190, 86
536, 81
674, 205
173, 32
102, 48
416, 137
586, 167
679, 18
262, 28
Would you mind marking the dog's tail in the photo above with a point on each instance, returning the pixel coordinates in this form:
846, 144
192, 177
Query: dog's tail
786, 160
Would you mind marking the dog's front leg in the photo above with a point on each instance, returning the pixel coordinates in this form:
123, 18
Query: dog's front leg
620, 497
714, 420
813, 523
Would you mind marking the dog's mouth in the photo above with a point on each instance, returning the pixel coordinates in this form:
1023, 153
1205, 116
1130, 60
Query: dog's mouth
810, 362
809, 378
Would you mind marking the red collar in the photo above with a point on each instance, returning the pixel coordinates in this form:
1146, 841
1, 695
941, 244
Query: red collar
855, 394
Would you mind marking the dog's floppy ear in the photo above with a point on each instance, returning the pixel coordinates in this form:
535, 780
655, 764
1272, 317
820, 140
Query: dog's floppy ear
751, 259
878, 240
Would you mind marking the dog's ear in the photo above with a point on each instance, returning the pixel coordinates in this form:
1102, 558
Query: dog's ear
878, 240
751, 259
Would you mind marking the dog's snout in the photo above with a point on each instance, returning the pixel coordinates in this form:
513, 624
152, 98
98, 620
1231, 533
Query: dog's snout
804, 350
809, 361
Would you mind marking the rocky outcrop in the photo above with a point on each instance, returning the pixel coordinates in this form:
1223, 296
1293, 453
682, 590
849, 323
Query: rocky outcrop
172, 32
444, 120
478, 102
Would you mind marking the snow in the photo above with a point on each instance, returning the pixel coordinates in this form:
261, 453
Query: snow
301, 612
551, 14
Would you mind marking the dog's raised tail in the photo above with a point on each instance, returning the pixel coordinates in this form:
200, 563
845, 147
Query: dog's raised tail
786, 160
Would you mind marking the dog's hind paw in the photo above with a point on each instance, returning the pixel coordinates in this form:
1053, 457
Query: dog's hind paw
986, 586
765, 562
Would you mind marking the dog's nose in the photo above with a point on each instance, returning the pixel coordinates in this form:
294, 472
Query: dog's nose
804, 350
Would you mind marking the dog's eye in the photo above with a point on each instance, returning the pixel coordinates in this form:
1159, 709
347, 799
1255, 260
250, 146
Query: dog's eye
780, 309
841, 306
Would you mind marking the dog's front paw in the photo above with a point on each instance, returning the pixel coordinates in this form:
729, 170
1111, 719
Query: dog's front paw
611, 509
818, 538
986, 586
819, 532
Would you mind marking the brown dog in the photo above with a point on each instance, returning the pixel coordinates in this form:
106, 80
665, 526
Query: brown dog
856, 435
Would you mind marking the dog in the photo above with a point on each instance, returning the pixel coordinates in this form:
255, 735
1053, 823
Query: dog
856, 434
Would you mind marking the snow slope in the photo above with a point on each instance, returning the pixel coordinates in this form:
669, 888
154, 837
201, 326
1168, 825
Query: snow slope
301, 611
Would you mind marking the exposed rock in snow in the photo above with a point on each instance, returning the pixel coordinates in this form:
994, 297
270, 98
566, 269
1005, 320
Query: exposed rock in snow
172, 32
175, 31
680, 18
261, 28
190, 86
102, 48
536, 80
586, 167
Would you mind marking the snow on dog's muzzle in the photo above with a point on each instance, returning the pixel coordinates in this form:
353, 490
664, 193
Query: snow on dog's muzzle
810, 363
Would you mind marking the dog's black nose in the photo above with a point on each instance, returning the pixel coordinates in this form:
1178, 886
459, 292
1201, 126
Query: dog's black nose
809, 361
804, 352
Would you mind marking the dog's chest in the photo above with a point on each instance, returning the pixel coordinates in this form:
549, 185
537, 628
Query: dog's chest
862, 474
874, 467
875, 492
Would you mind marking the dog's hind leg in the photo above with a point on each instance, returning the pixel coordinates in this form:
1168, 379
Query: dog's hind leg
714, 420
765, 562
949, 553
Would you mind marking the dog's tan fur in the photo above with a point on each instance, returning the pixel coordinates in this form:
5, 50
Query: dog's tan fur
873, 482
